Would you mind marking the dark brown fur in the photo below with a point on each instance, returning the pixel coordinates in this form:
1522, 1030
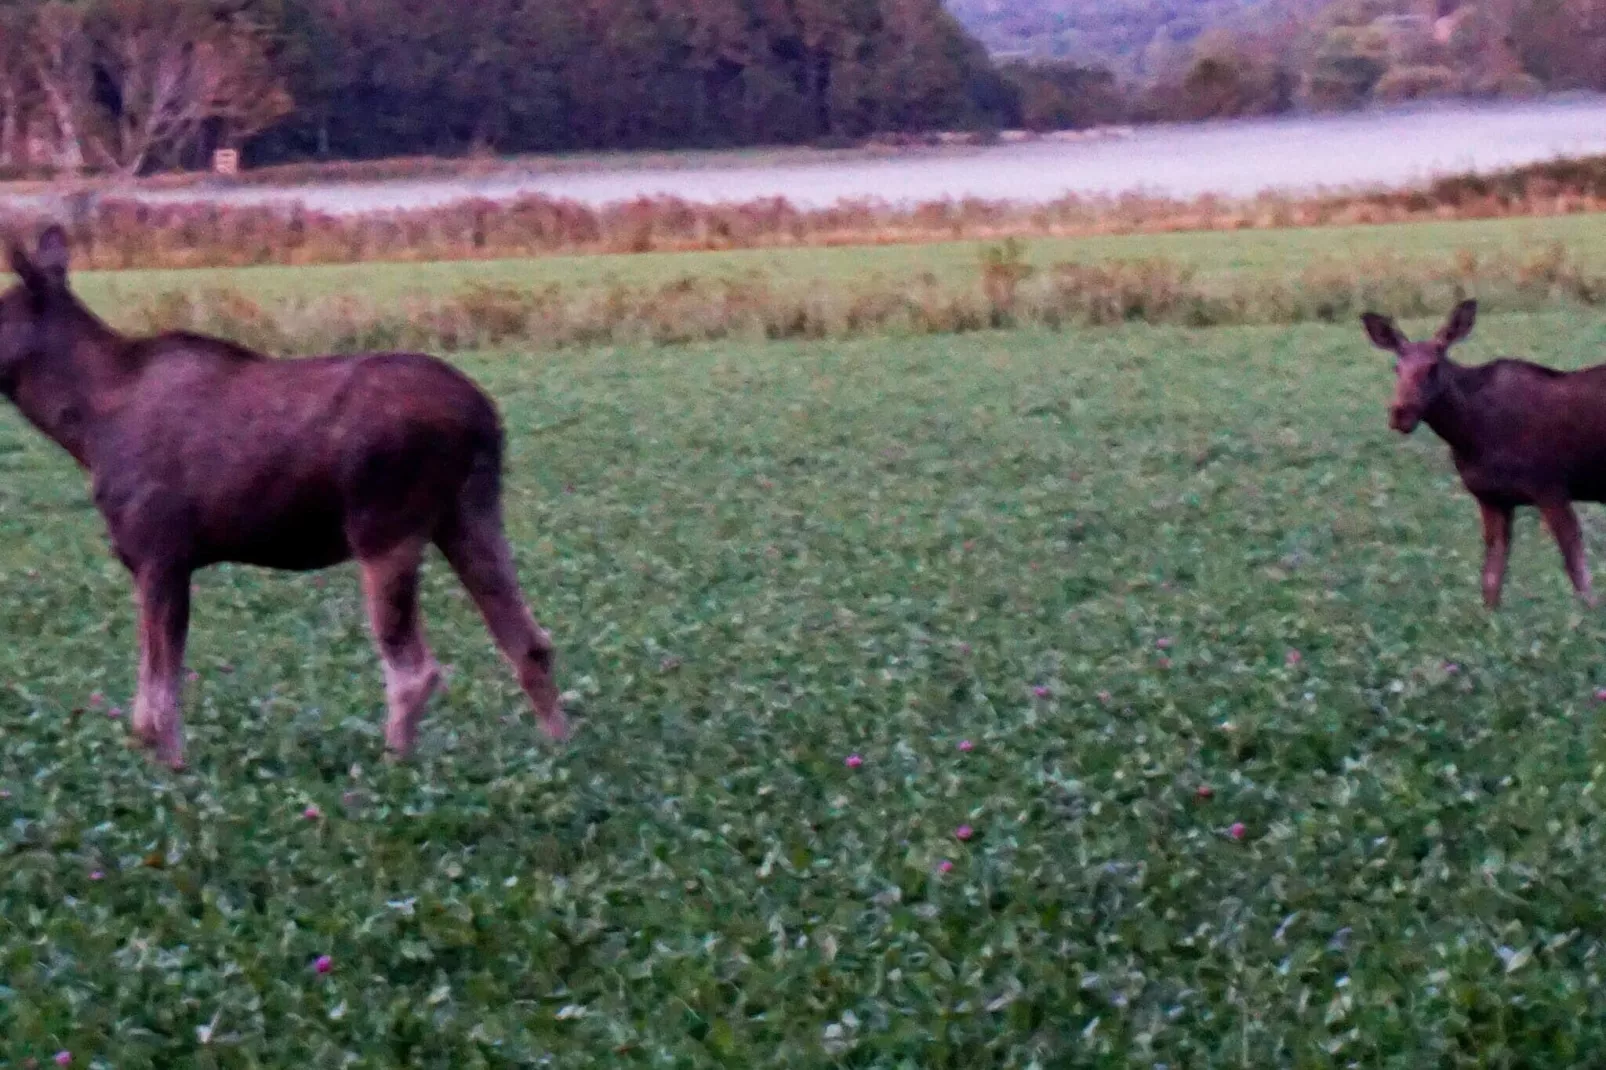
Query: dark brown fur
202, 452
1519, 433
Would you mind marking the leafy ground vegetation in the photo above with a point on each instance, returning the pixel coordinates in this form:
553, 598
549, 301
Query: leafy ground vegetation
1113, 697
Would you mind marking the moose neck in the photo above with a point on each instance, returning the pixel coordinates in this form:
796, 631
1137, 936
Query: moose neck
1450, 416
71, 386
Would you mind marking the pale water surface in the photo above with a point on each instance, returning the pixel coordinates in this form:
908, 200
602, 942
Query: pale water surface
1241, 158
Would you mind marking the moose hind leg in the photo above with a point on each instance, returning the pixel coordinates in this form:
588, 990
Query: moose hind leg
164, 620
477, 550
1497, 548
390, 587
1563, 524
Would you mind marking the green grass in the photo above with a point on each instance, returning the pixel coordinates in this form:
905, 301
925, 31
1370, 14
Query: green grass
758, 561
1213, 253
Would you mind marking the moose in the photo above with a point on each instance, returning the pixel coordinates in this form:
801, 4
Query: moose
1519, 433
201, 452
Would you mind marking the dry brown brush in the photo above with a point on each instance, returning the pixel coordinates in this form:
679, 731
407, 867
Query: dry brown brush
123, 233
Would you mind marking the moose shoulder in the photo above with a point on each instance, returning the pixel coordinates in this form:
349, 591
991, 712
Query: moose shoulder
202, 452
1520, 434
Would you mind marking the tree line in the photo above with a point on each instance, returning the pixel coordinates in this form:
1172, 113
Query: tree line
130, 86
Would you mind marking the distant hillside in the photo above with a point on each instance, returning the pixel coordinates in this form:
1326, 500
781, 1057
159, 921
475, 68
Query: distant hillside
1134, 38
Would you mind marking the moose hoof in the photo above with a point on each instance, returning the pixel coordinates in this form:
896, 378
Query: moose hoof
142, 733
556, 727
174, 762
401, 740
170, 752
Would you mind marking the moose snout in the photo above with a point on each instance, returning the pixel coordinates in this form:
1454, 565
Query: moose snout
1403, 418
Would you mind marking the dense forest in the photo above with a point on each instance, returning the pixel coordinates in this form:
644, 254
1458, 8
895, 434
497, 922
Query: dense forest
130, 86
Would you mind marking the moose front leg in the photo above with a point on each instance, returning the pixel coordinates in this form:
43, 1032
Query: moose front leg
164, 621
1496, 549
1563, 524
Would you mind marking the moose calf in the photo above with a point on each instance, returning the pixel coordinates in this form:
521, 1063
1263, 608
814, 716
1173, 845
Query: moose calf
201, 452
1519, 433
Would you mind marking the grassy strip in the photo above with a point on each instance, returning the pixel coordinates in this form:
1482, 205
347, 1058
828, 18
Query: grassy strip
1004, 290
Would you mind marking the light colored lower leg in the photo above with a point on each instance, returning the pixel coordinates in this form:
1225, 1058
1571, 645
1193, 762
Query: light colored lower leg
164, 596
158, 720
390, 585
169, 720
409, 684
144, 723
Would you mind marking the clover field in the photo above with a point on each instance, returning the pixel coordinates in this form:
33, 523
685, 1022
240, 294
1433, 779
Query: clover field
1119, 698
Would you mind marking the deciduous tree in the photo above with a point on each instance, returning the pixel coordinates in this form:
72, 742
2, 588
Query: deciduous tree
171, 71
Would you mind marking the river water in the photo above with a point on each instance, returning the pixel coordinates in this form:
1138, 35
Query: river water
1237, 158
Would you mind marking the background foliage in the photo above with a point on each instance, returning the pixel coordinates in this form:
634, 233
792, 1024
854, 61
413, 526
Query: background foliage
363, 79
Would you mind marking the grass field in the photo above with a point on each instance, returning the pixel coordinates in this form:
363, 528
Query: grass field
1215, 254
1123, 565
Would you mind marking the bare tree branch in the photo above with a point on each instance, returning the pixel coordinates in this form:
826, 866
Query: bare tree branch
63, 64
176, 71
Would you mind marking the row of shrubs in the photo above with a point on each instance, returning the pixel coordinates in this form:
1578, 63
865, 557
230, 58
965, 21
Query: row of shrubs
123, 233
1006, 292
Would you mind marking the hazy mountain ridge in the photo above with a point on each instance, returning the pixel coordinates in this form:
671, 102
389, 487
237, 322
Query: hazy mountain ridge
1132, 37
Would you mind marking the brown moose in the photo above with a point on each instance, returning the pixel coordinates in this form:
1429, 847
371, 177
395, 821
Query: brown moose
202, 452
1519, 433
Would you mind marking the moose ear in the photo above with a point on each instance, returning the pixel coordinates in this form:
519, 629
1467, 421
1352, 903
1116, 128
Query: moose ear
46, 271
1459, 325
24, 266
1382, 332
54, 257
